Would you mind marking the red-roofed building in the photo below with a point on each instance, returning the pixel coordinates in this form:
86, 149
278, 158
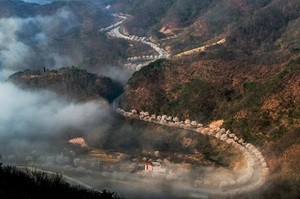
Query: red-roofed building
154, 167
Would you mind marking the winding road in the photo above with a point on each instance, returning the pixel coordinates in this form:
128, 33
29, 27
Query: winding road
251, 179
114, 31
256, 169
161, 52
68, 179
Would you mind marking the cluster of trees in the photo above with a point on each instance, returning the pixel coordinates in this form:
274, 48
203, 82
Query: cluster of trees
148, 14
186, 11
70, 82
10, 8
193, 90
263, 26
195, 99
261, 30
16, 183
140, 135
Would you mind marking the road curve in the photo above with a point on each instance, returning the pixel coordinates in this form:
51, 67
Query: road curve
68, 179
256, 170
114, 31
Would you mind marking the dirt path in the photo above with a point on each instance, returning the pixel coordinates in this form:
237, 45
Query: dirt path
199, 49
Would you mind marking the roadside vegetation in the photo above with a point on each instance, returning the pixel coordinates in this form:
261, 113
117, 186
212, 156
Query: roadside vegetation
16, 183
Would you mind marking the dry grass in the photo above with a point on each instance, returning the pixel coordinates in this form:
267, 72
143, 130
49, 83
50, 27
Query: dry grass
102, 156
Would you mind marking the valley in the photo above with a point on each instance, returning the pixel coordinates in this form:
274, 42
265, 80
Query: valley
140, 61
151, 99
193, 173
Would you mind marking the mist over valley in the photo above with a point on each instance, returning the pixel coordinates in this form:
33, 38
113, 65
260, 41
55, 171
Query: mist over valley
152, 99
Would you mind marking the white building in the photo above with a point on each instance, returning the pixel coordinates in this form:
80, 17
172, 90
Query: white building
154, 167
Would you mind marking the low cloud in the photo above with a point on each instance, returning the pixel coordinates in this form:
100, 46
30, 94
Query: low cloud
33, 42
27, 115
117, 73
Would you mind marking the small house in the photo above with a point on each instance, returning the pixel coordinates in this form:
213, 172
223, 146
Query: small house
154, 167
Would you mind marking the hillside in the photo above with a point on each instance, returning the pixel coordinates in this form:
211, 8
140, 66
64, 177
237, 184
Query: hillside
252, 27
251, 81
73, 83
259, 103
207, 90
17, 183
63, 30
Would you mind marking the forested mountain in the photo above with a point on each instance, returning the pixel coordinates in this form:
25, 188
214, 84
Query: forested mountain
260, 55
249, 26
71, 29
251, 81
73, 83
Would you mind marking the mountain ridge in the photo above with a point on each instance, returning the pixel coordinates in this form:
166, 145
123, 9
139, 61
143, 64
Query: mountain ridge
71, 82
251, 81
